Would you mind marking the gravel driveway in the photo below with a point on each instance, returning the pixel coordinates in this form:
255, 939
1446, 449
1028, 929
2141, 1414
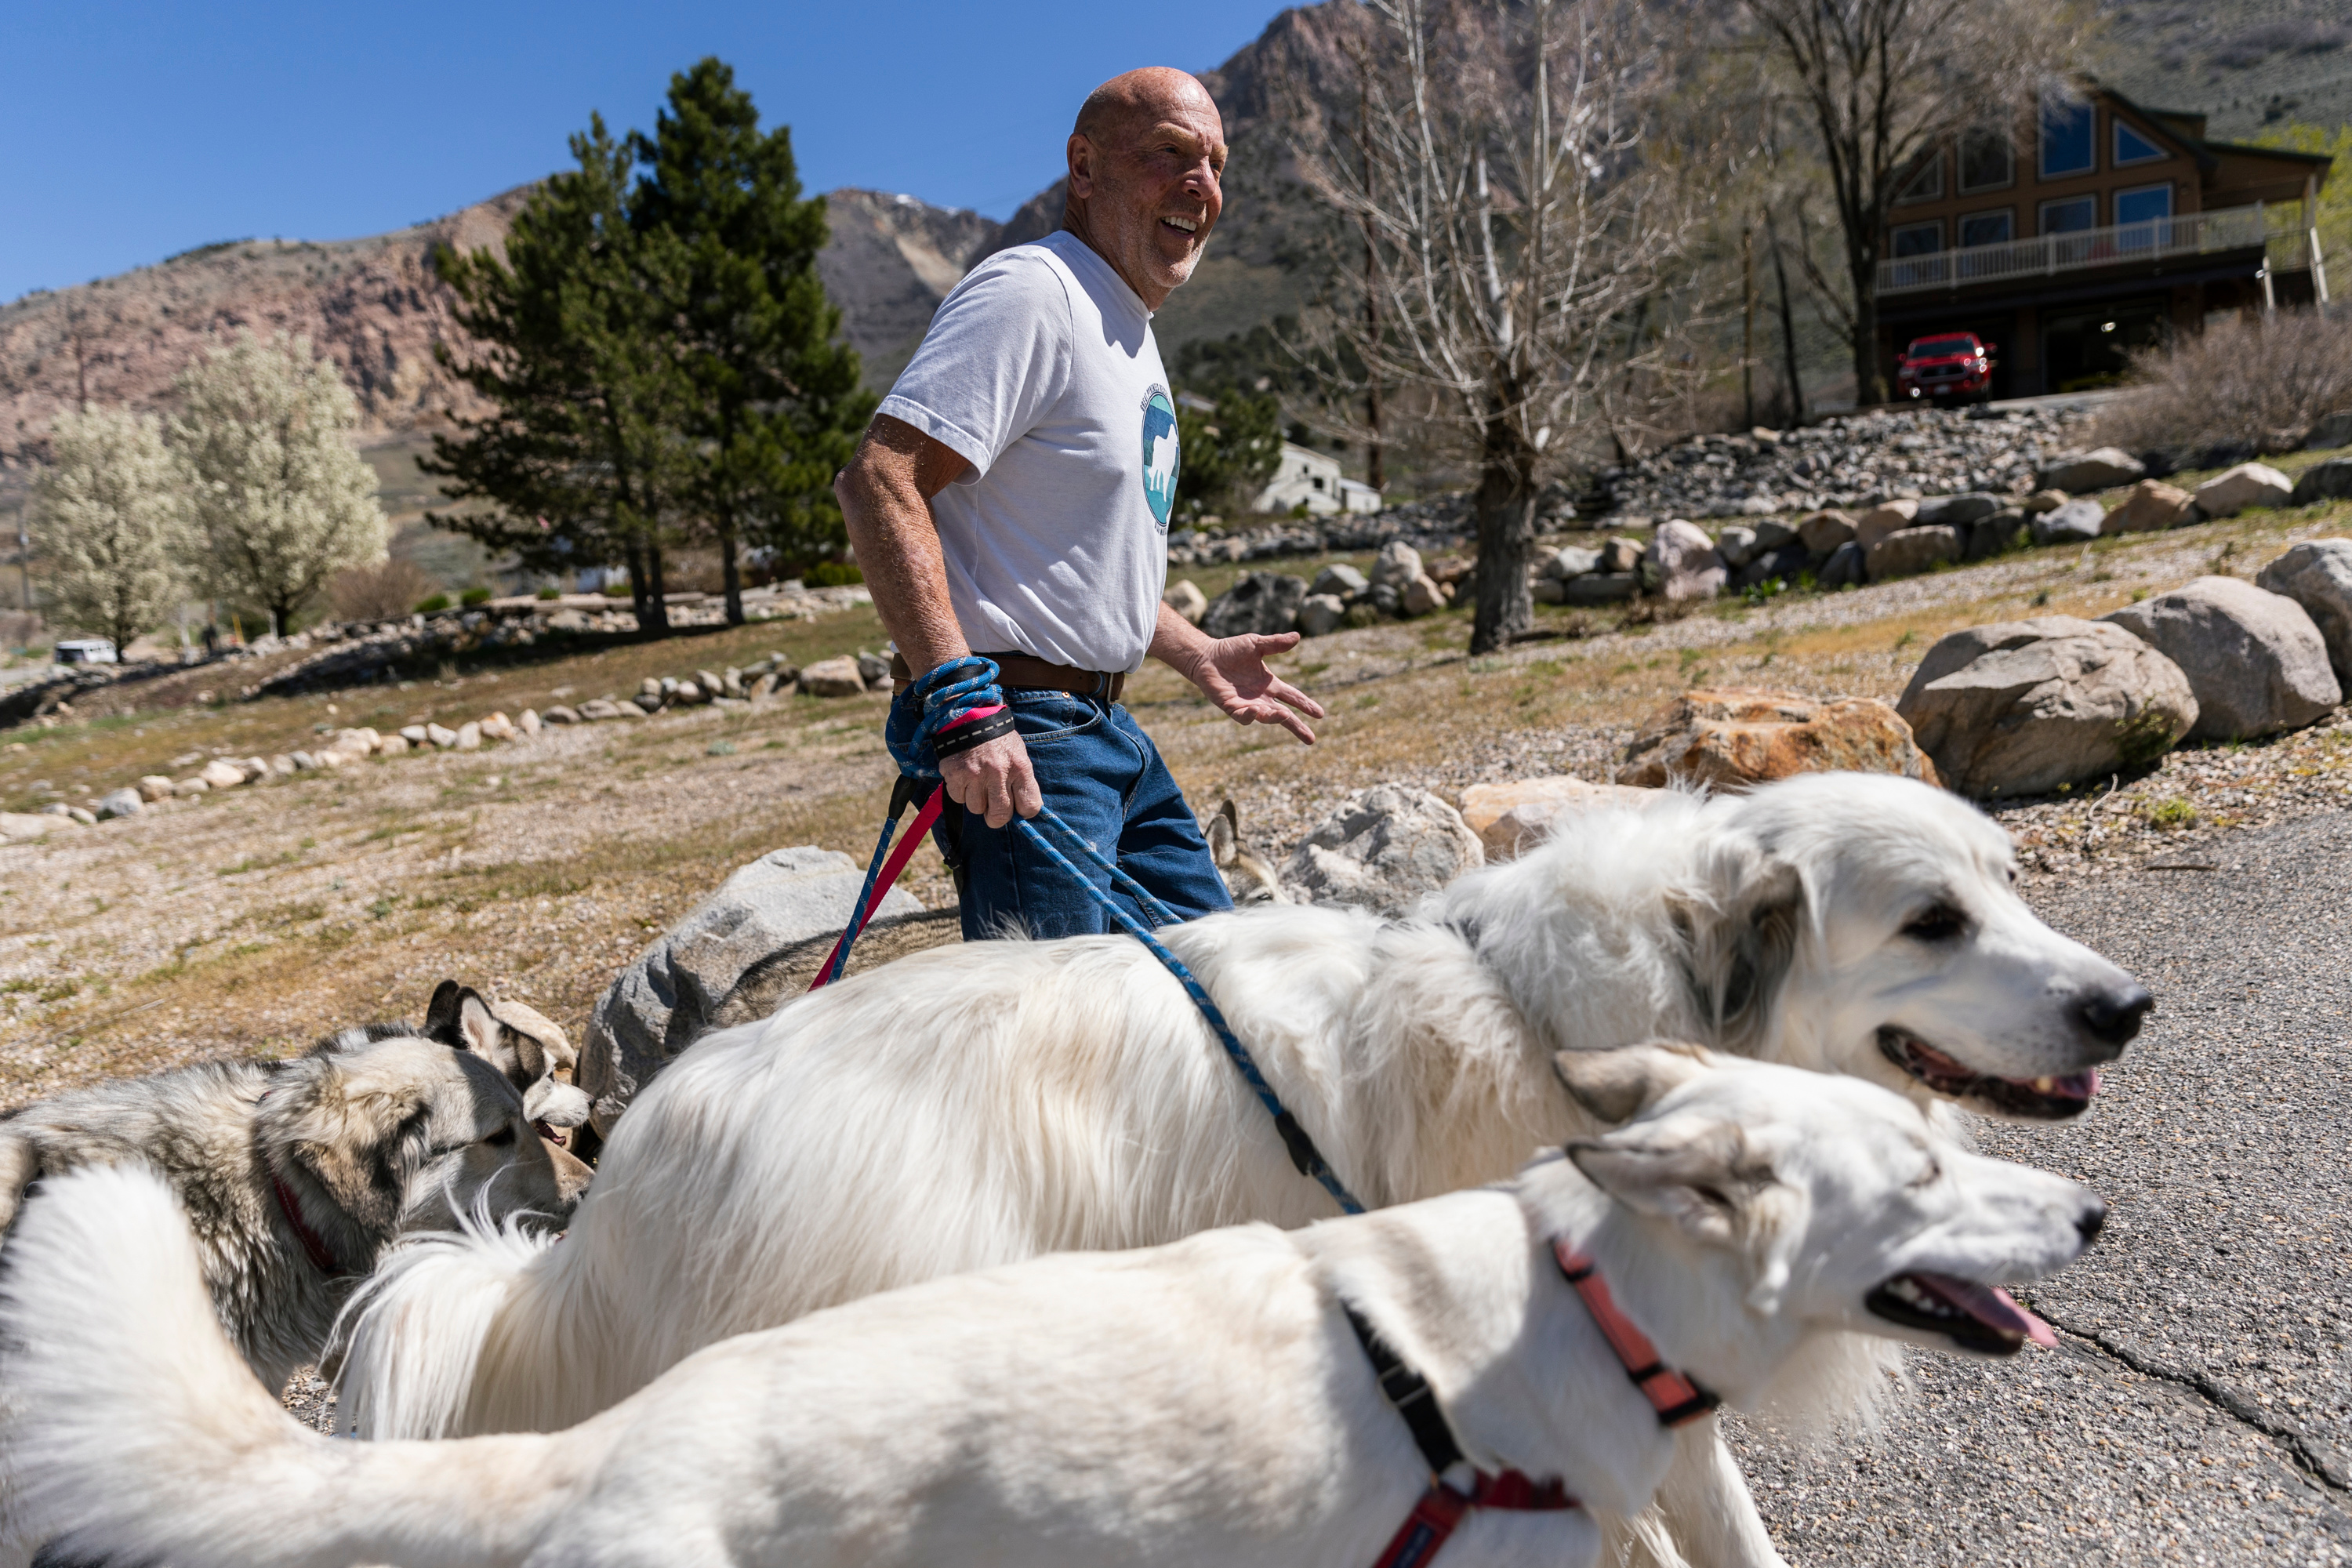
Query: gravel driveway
2200, 1407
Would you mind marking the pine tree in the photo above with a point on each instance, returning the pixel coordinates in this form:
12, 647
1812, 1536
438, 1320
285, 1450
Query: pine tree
773, 403
582, 456
108, 516
279, 500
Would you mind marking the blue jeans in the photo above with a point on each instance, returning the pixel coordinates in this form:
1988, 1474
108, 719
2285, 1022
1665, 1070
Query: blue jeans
1100, 774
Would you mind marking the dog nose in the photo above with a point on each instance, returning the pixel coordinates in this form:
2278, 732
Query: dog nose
2090, 1221
2113, 1018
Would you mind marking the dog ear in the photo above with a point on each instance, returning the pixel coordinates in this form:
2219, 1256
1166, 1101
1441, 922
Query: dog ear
1616, 1086
515, 1055
1698, 1174
1225, 837
441, 1014
1738, 919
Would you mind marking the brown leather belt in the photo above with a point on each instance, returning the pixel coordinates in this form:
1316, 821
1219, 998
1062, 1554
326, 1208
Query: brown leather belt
1023, 673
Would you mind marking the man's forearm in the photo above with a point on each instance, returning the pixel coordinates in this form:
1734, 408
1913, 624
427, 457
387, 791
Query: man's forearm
897, 546
1179, 644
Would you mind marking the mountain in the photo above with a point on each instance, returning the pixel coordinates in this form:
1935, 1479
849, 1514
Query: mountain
2252, 65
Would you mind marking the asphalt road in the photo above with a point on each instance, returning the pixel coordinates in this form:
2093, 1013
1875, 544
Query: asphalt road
2199, 1409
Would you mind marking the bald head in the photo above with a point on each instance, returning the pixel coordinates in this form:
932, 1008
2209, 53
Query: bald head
1147, 161
1148, 94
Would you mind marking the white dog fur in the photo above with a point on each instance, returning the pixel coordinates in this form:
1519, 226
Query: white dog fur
973, 1106
1201, 1402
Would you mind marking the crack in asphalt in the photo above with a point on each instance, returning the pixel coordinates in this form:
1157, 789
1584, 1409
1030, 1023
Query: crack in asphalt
2219, 1395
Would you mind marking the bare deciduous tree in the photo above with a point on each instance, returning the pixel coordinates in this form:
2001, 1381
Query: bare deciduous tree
1882, 81
1500, 168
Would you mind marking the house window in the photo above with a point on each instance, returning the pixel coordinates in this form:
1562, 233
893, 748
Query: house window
1985, 228
2144, 205
1926, 181
1319, 481
2131, 147
1919, 238
1986, 162
2070, 217
2066, 139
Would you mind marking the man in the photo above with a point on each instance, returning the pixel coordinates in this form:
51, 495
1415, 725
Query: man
1011, 498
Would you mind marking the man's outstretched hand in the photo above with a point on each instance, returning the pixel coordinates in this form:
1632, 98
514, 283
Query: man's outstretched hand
1231, 673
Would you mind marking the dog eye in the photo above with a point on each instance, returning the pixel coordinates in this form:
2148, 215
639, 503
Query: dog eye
501, 1138
1941, 923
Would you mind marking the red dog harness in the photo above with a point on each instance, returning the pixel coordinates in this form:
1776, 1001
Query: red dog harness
1442, 1508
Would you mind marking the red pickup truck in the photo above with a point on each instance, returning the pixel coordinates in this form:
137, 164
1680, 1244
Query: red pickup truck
1957, 365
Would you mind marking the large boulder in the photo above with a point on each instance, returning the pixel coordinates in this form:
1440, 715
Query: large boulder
1989, 536
2151, 505
2317, 575
2330, 481
1681, 562
2021, 707
825, 678
1736, 545
1340, 579
1620, 554
1265, 602
2227, 493
1384, 849
2104, 470
1845, 566
1823, 532
1599, 588
1785, 563
221, 773
1570, 560
2255, 660
1511, 818
1734, 738
1955, 512
1881, 521
2073, 523
1186, 599
1396, 567
125, 802
1908, 552
671, 995
1424, 595
1319, 615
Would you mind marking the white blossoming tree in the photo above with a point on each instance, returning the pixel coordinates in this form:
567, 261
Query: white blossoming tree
279, 499
110, 520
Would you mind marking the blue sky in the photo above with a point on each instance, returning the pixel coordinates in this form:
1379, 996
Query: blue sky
135, 130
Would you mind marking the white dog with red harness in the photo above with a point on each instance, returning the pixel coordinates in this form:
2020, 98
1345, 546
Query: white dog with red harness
1449, 1380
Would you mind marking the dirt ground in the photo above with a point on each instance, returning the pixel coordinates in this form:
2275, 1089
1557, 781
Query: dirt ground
255, 920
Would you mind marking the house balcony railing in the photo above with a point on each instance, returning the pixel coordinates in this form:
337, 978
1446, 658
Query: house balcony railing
2276, 228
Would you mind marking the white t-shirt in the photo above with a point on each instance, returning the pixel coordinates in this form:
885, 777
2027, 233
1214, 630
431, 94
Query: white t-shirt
1039, 369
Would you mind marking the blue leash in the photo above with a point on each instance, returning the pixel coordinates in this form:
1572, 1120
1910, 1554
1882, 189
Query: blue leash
946, 693
1303, 1153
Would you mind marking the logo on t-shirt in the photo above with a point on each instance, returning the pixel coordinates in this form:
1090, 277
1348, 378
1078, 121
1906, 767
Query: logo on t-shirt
1160, 458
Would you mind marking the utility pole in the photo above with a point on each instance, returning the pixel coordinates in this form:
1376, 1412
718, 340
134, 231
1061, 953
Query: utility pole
1747, 324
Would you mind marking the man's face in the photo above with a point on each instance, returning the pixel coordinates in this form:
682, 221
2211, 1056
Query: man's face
1150, 183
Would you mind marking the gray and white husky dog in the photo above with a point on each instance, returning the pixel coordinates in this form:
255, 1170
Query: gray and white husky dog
297, 1174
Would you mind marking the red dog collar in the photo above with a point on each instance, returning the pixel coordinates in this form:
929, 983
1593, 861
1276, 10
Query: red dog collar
1676, 1398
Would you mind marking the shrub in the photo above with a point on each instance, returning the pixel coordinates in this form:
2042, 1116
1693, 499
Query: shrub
832, 574
550, 593
438, 602
2246, 385
474, 596
378, 593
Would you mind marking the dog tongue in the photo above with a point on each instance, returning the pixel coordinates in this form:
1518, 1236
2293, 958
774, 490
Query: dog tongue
1992, 1306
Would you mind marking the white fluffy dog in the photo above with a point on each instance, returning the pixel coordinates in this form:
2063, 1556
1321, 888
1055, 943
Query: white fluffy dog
1209, 1401
973, 1106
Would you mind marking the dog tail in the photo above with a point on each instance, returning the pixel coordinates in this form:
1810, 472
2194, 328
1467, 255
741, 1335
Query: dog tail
140, 1436
418, 1334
